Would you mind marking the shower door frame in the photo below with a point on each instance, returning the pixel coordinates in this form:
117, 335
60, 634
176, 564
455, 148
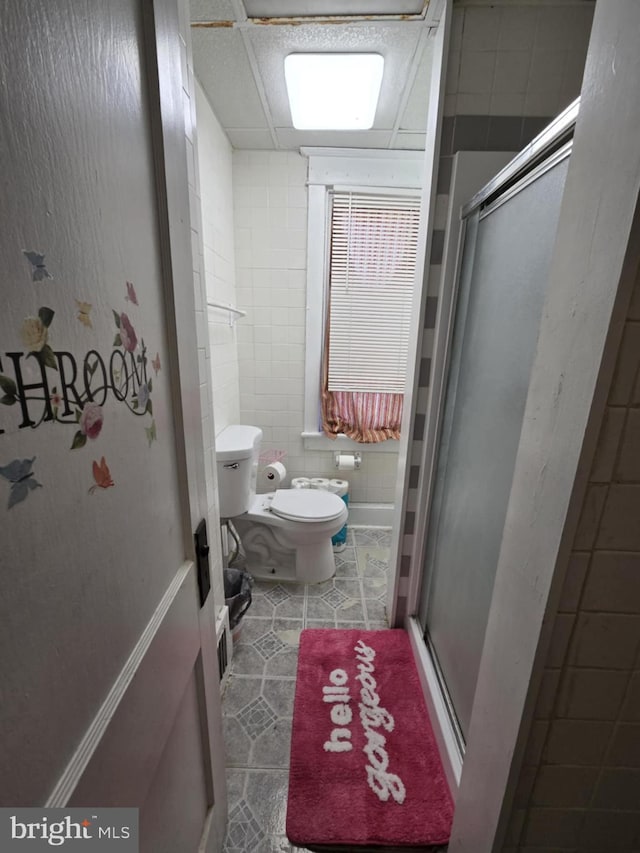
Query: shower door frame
554, 137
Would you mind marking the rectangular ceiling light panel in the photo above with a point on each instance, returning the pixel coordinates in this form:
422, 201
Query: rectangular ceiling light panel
331, 8
333, 91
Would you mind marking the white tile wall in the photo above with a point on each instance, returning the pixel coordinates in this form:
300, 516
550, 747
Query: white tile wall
270, 214
516, 60
216, 194
581, 790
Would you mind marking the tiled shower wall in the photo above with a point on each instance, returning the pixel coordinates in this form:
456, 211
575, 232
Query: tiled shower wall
218, 260
511, 68
579, 788
270, 210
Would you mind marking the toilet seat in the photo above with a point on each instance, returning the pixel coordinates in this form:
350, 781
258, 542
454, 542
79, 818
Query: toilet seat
306, 505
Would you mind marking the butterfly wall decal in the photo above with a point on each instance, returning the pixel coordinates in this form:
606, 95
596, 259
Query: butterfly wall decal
131, 294
39, 271
84, 309
155, 363
21, 477
101, 475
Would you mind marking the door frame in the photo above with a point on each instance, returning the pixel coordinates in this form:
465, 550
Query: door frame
165, 74
471, 170
441, 13
169, 634
476, 178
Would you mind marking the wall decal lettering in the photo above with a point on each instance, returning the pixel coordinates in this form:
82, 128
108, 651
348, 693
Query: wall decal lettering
85, 383
80, 391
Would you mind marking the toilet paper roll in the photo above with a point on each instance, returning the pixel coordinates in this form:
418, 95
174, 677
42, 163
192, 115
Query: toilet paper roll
346, 462
339, 487
272, 476
320, 483
301, 483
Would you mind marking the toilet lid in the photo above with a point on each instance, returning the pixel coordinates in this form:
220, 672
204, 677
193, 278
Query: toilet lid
306, 504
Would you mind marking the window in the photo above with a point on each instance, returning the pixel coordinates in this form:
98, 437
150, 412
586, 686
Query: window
373, 244
374, 195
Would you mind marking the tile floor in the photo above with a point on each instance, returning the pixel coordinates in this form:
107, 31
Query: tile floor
257, 704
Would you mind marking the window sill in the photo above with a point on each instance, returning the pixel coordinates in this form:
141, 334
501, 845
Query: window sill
319, 441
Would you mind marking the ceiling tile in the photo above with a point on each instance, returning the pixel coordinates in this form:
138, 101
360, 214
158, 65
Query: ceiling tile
225, 59
212, 10
251, 140
289, 137
222, 67
414, 116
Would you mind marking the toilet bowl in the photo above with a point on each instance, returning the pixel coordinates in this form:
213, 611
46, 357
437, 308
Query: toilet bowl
286, 534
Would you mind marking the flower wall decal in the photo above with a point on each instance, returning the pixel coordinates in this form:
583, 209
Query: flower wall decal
143, 395
90, 420
128, 333
35, 336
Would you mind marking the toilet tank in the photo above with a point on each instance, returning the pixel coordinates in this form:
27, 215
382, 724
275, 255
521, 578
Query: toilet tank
237, 451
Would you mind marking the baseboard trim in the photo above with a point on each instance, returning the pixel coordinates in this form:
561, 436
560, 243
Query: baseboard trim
371, 515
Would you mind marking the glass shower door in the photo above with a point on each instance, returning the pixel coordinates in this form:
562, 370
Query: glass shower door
505, 267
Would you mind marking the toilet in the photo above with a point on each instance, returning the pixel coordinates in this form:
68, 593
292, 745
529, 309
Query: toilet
286, 534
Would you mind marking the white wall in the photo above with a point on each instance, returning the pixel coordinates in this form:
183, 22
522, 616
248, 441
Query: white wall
216, 196
270, 210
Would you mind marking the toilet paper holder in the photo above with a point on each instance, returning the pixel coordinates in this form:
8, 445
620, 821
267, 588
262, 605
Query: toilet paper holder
347, 461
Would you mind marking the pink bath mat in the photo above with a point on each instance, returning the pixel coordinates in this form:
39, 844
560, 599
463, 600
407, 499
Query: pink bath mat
365, 770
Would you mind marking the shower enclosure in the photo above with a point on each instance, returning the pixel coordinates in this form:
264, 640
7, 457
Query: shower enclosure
508, 234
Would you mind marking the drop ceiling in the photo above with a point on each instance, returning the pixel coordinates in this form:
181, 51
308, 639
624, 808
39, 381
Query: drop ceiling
239, 48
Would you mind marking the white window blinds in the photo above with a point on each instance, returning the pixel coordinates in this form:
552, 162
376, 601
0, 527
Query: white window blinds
374, 240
